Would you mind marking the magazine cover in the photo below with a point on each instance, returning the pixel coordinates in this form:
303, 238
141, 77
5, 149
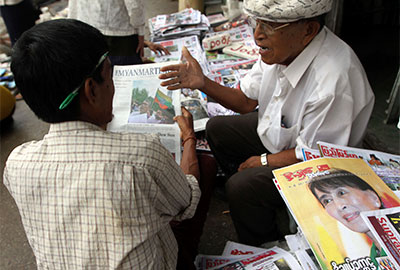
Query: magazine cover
309, 153
385, 227
385, 165
141, 105
326, 197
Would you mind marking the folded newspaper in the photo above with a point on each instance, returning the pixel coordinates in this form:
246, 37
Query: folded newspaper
239, 256
141, 105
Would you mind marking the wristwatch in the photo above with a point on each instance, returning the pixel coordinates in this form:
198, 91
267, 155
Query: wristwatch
264, 160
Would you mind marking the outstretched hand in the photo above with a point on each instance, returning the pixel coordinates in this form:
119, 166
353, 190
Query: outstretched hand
185, 75
251, 162
185, 123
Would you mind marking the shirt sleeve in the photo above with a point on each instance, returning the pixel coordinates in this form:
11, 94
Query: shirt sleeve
180, 192
250, 84
136, 11
328, 119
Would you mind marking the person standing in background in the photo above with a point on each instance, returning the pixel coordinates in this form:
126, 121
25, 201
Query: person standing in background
18, 16
120, 21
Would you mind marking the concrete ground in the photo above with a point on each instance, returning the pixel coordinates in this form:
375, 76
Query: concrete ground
15, 252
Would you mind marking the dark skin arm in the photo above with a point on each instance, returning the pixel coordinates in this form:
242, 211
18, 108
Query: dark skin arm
280, 159
189, 162
190, 75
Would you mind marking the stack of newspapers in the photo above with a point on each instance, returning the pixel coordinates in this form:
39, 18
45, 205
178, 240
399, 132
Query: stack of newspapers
346, 202
184, 23
239, 256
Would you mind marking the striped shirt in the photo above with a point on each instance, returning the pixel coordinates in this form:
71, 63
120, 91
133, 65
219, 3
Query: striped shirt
93, 199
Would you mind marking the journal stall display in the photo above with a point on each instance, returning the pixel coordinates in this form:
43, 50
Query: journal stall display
326, 197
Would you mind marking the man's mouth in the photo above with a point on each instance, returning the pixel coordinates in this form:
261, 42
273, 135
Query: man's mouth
264, 49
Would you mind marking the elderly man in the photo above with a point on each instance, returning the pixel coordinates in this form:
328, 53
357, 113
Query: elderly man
307, 86
88, 198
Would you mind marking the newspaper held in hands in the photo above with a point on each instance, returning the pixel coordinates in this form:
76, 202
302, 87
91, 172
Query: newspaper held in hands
141, 105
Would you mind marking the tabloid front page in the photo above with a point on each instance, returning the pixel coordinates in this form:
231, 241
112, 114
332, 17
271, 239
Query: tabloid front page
141, 105
385, 226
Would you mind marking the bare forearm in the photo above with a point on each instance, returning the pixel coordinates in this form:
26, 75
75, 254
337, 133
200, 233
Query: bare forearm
282, 159
230, 98
189, 162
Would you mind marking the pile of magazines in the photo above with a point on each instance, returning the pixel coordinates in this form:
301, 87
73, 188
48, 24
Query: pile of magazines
185, 23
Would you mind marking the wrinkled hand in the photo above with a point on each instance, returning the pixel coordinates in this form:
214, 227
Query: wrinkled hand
251, 162
185, 123
157, 48
185, 75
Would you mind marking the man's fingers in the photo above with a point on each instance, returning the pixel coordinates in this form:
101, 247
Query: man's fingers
186, 54
174, 87
170, 82
171, 68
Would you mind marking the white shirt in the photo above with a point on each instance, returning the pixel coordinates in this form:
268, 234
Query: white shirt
111, 17
9, 2
92, 199
323, 95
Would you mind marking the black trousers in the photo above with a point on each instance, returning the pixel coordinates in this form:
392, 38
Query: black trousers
19, 18
122, 50
256, 206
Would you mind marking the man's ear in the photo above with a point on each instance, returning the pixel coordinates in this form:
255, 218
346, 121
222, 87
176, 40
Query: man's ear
89, 91
312, 29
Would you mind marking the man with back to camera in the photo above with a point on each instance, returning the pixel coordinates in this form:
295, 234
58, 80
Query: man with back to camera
89, 198
307, 86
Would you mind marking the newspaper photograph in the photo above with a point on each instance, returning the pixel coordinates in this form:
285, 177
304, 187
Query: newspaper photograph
141, 105
385, 227
198, 111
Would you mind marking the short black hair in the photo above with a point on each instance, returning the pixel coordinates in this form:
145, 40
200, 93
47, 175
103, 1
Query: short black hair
52, 59
334, 178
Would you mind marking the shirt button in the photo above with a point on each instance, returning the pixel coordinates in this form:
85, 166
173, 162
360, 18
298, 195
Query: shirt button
267, 118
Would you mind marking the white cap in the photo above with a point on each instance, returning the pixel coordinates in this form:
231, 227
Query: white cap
284, 11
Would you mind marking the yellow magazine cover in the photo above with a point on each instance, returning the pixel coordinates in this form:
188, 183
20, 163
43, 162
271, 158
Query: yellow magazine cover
326, 197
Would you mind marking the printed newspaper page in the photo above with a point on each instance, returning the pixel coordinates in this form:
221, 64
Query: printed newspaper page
385, 227
326, 197
141, 105
385, 165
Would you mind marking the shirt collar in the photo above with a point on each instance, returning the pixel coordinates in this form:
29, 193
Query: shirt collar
298, 67
72, 126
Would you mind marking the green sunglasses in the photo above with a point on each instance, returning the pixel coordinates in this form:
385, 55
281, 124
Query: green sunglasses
74, 93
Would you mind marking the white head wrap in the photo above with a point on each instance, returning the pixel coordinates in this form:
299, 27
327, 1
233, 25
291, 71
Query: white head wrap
284, 11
